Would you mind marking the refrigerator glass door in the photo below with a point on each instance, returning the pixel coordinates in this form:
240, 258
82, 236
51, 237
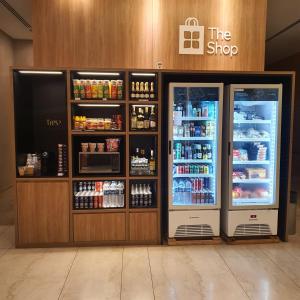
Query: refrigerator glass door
255, 146
194, 131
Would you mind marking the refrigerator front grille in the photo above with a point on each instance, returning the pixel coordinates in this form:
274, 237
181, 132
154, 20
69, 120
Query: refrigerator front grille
252, 229
194, 230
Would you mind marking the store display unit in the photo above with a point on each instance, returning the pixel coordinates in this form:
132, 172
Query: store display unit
251, 166
53, 208
92, 203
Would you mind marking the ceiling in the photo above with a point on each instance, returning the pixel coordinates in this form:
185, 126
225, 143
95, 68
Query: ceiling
281, 40
10, 24
281, 14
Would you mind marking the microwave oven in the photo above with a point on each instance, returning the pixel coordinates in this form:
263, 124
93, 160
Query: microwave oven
99, 162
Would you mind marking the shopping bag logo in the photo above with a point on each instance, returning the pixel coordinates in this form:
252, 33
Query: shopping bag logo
191, 37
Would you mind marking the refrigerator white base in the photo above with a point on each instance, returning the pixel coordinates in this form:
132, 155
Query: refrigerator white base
250, 222
193, 224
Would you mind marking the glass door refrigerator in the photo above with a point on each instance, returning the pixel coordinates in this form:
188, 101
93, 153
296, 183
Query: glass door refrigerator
251, 154
195, 130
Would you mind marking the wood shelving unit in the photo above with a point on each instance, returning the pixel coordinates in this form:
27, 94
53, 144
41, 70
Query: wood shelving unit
134, 218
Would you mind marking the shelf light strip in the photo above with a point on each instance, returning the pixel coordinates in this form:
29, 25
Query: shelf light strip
99, 105
40, 72
143, 105
99, 73
143, 74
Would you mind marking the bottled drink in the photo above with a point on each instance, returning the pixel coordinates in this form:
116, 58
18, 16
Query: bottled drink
137, 90
152, 93
146, 118
142, 90
146, 91
152, 163
209, 152
149, 195
132, 95
133, 119
133, 195
140, 119
152, 119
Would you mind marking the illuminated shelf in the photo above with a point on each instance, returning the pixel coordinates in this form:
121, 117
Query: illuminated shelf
186, 161
251, 201
196, 119
252, 121
265, 180
251, 162
192, 175
251, 139
192, 138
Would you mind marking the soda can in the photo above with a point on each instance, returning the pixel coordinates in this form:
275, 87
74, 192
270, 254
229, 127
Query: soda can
113, 89
205, 169
88, 89
120, 89
186, 169
82, 89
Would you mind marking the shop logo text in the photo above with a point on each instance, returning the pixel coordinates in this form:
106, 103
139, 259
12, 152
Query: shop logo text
191, 40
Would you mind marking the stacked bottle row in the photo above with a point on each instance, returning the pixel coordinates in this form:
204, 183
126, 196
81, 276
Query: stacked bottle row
142, 118
205, 129
203, 109
192, 151
192, 191
142, 90
141, 195
98, 194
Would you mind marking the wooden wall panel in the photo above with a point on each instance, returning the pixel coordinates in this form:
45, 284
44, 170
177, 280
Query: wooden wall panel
99, 227
245, 19
43, 212
93, 33
140, 33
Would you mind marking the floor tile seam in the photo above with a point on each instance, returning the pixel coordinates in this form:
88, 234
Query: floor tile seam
121, 286
234, 276
279, 267
67, 276
152, 283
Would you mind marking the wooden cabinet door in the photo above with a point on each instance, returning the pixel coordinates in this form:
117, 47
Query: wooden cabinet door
43, 212
143, 226
99, 227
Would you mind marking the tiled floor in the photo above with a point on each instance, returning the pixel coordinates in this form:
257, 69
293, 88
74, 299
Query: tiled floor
196, 272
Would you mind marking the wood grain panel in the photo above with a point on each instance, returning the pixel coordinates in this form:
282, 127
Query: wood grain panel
245, 19
43, 212
99, 227
143, 226
93, 33
140, 33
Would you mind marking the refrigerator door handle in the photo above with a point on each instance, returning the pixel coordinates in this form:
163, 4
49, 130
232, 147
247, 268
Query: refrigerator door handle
229, 148
170, 147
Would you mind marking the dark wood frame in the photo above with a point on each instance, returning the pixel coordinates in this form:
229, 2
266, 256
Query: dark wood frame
127, 210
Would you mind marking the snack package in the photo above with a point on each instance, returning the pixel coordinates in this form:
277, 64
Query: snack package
112, 145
